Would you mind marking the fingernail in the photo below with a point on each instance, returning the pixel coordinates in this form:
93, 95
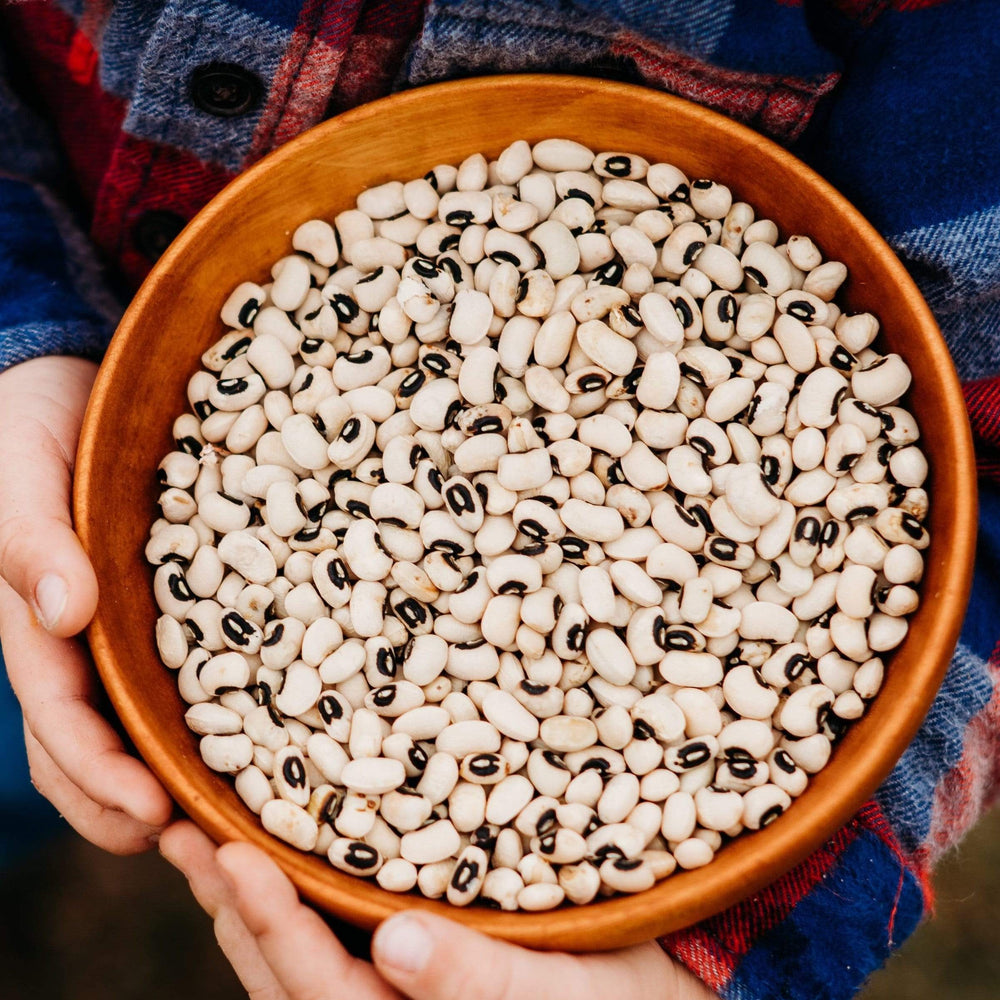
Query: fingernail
51, 595
403, 942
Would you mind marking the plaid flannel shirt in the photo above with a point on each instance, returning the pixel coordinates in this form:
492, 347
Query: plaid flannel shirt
104, 155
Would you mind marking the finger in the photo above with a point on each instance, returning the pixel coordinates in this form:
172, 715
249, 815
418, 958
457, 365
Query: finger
301, 950
430, 958
191, 851
107, 828
56, 686
41, 408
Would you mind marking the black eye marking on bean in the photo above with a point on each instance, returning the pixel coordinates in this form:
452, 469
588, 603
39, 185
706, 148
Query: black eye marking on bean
528, 687
361, 856
703, 445
830, 534
294, 772
630, 382
683, 311
411, 612
346, 308
797, 665
631, 315
276, 635
692, 250
598, 764
385, 662
618, 166
546, 822
359, 508
744, 770
573, 548
425, 268
506, 257
608, 852
842, 360
466, 872
770, 815
336, 573
642, 730
610, 274
693, 755
178, 587
723, 548
237, 628
770, 469
673, 638
701, 514
726, 310
532, 528
626, 864
848, 460
451, 266
330, 709
232, 386
371, 276
248, 312
484, 765
384, 696
551, 757
808, 530
579, 193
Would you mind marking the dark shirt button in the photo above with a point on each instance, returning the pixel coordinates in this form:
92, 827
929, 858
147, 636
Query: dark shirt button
155, 230
225, 89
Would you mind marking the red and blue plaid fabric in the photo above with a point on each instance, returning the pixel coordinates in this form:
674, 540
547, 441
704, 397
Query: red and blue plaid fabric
892, 100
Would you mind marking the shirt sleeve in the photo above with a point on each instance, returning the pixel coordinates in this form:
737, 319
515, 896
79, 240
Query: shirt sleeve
53, 296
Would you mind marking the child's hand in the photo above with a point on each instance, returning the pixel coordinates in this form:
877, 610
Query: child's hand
48, 594
282, 950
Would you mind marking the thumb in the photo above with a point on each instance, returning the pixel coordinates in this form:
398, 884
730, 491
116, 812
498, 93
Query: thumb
41, 409
429, 958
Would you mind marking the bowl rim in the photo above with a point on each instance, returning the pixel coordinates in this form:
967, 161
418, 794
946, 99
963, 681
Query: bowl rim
790, 840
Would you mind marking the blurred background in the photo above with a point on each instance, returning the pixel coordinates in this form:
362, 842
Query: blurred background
78, 924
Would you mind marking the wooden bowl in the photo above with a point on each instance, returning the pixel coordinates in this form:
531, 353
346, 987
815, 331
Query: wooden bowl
175, 316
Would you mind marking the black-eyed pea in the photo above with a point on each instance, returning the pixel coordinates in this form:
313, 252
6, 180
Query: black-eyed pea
718, 808
763, 805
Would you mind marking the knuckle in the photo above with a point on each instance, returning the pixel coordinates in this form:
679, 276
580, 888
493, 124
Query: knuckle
22, 538
490, 980
12, 530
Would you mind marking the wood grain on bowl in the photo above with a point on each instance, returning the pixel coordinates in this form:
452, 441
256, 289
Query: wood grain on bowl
174, 317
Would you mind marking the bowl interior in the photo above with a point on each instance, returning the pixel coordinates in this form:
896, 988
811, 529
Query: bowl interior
174, 317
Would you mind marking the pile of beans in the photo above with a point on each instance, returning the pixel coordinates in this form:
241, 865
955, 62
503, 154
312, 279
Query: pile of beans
536, 529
